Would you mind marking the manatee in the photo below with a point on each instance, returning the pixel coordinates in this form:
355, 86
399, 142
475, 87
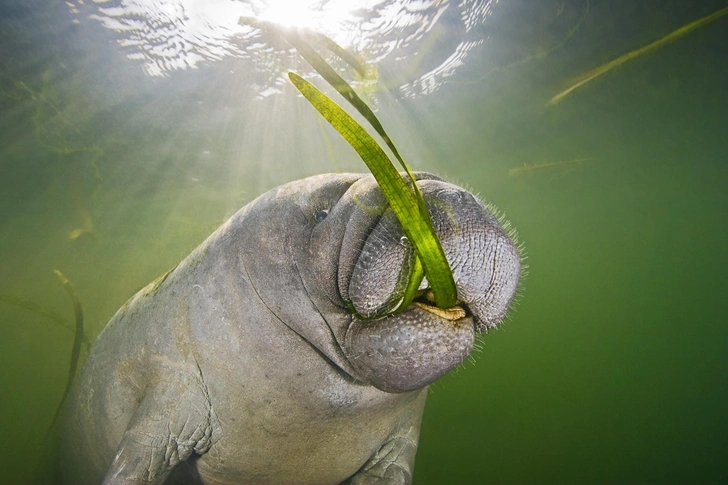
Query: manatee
276, 351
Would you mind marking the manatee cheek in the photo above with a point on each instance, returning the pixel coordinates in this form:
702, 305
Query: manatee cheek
408, 351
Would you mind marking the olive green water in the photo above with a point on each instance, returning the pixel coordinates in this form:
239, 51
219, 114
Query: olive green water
613, 367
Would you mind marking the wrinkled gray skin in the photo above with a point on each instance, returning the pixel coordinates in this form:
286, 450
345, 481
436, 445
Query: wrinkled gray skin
246, 365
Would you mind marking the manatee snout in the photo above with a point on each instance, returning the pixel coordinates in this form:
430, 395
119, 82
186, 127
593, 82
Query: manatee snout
415, 346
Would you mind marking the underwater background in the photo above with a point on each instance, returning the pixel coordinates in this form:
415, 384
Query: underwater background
130, 130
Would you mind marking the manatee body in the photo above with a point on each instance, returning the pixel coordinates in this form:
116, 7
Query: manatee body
270, 355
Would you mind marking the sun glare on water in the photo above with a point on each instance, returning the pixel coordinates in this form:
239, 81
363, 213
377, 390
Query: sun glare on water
167, 36
308, 14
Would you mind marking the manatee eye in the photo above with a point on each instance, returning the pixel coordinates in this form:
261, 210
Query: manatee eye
321, 215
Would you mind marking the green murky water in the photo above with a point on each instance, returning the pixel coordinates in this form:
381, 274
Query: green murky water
613, 367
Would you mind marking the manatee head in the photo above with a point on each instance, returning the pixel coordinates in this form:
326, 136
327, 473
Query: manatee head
333, 264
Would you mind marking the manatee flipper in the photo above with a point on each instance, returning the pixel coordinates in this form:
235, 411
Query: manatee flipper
166, 429
394, 461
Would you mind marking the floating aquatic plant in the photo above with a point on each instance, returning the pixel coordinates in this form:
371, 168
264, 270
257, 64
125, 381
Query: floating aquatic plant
405, 198
674, 35
540, 167
79, 335
401, 197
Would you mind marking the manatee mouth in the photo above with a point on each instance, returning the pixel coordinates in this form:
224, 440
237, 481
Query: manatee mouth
410, 349
426, 301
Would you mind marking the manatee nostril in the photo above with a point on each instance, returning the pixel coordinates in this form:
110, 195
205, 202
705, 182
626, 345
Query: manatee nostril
450, 194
